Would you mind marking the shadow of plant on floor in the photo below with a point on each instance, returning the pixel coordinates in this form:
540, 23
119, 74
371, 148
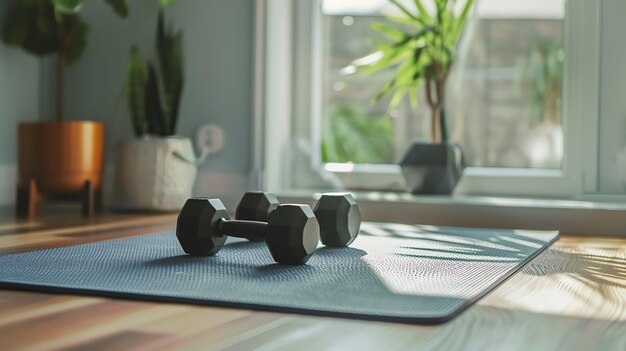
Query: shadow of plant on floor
602, 268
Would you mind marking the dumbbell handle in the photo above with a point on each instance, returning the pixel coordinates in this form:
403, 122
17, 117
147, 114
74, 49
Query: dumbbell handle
242, 228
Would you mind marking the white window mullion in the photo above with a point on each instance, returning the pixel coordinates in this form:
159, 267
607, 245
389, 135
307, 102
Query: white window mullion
581, 92
277, 90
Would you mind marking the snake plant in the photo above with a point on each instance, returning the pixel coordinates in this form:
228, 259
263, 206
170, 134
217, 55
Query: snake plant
152, 90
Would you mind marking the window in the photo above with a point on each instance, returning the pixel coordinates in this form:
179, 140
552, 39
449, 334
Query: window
523, 129
504, 96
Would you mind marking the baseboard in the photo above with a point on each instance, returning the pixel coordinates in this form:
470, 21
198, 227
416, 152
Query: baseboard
227, 186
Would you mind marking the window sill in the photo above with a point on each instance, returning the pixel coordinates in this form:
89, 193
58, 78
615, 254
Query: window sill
483, 181
586, 216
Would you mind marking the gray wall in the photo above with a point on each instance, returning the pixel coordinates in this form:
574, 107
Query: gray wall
219, 46
19, 101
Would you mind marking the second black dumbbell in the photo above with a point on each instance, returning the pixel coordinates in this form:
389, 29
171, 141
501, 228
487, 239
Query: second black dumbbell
338, 215
291, 234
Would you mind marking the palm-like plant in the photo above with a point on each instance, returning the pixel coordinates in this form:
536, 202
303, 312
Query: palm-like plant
421, 46
44, 27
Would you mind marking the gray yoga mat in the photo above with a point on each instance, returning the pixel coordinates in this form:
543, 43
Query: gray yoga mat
392, 272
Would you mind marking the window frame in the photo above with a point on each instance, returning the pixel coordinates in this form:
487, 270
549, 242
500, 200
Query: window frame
293, 58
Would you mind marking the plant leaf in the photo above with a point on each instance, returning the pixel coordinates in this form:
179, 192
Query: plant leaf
18, 27
392, 54
441, 9
75, 37
120, 7
164, 3
406, 11
33, 28
135, 90
403, 20
390, 31
154, 109
397, 97
424, 15
389, 86
171, 61
403, 80
68, 6
460, 22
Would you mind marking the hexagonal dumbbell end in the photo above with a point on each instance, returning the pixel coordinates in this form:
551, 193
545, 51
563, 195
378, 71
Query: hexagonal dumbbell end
195, 226
256, 206
293, 234
339, 218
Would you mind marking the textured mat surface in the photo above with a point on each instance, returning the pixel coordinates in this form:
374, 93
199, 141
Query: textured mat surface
392, 272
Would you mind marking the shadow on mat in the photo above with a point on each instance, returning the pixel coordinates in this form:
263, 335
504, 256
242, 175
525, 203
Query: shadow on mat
184, 259
459, 244
347, 267
348, 254
230, 252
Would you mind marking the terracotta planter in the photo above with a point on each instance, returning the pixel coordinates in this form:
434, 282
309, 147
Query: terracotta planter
154, 173
60, 156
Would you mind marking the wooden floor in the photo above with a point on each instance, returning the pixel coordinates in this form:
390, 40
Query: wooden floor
571, 297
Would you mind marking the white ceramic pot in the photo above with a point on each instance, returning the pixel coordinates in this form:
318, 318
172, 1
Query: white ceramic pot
154, 173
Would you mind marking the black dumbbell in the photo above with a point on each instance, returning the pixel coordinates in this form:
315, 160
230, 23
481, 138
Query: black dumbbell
291, 234
338, 215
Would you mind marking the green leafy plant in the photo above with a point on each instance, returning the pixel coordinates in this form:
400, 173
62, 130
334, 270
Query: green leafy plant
421, 47
153, 92
544, 67
349, 135
45, 27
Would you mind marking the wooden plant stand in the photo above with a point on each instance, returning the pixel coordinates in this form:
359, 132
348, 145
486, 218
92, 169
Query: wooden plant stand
29, 198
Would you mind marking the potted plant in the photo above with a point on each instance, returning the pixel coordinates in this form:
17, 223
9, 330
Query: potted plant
422, 47
57, 157
156, 170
